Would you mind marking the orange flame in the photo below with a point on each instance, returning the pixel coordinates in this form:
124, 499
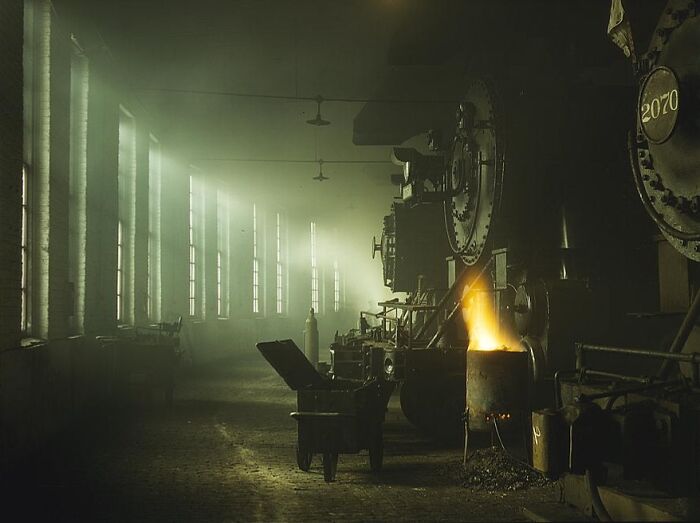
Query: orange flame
478, 311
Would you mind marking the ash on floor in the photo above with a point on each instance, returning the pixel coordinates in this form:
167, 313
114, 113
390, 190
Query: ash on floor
493, 469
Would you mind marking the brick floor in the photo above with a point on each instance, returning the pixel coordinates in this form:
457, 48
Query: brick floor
225, 452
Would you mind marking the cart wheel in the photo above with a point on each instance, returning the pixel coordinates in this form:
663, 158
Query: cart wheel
330, 465
376, 452
304, 458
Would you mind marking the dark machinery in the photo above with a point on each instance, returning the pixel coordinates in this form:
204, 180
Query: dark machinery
625, 436
528, 190
665, 149
409, 247
533, 186
526, 204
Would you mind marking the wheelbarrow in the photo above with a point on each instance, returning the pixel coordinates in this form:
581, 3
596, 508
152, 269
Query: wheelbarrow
334, 416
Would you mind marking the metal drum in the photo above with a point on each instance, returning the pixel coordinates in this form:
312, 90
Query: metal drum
497, 384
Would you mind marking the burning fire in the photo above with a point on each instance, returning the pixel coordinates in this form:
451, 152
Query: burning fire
478, 311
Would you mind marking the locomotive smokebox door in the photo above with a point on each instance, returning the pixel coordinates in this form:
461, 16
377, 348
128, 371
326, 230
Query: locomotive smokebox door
664, 150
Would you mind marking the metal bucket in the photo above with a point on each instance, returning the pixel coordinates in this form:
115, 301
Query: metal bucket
497, 388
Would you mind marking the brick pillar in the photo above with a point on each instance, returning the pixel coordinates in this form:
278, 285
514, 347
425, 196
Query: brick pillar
11, 35
210, 251
60, 291
102, 195
241, 282
49, 175
174, 237
299, 268
141, 226
270, 235
77, 218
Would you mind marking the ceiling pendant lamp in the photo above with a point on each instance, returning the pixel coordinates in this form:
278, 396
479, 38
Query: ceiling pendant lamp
320, 176
318, 121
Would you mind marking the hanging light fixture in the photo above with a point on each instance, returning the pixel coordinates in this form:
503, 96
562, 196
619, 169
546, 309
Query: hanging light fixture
318, 121
320, 176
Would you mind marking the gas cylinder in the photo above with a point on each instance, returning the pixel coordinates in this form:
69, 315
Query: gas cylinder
311, 338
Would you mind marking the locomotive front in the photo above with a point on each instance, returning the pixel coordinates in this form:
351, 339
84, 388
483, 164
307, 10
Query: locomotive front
665, 150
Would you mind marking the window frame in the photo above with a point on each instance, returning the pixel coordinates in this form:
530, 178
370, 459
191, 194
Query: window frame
26, 252
281, 280
120, 272
192, 249
256, 305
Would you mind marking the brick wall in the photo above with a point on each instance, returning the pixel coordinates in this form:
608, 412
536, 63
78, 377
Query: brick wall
11, 32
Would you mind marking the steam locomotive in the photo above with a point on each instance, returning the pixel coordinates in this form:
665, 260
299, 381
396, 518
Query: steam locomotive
529, 191
527, 198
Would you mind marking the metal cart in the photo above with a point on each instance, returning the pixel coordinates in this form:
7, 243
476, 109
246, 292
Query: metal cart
334, 416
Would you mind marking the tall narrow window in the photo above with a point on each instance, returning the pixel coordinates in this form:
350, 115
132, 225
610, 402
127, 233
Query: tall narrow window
219, 304
25, 251
280, 267
200, 214
223, 255
120, 271
127, 212
336, 286
154, 246
256, 263
193, 252
314, 270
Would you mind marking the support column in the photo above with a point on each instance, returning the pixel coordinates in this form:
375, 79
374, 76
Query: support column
141, 225
101, 213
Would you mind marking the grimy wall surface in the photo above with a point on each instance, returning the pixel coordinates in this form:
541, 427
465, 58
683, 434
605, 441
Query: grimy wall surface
11, 35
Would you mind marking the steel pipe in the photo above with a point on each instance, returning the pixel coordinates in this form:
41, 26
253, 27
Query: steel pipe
692, 357
613, 376
683, 333
630, 390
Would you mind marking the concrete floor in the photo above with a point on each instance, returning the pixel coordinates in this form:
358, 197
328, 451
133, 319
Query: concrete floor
225, 452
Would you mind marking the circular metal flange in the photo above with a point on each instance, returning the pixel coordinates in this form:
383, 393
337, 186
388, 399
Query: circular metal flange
659, 104
473, 179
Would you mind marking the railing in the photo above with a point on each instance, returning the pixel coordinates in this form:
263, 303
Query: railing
689, 357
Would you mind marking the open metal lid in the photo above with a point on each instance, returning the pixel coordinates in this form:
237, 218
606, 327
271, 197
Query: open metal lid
291, 364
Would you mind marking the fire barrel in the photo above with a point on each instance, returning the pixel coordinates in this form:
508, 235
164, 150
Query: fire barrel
497, 388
